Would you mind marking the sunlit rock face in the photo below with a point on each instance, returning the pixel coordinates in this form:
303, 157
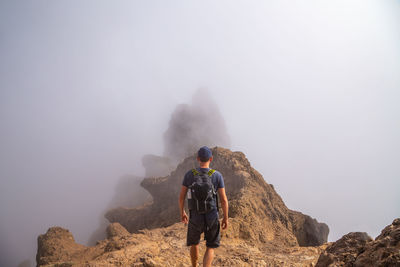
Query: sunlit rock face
258, 213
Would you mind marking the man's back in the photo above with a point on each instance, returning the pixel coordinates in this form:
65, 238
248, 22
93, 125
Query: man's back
215, 177
206, 220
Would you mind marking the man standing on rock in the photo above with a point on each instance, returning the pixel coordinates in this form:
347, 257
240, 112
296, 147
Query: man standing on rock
203, 186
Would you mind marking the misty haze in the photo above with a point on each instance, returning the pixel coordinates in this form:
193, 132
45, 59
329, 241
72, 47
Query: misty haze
96, 97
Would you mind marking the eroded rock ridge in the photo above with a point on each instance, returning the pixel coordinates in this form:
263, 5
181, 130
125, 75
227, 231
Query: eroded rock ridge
257, 212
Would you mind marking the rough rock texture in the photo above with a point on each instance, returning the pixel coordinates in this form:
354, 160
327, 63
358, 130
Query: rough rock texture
344, 251
360, 250
165, 247
58, 245
257, 211
385, 250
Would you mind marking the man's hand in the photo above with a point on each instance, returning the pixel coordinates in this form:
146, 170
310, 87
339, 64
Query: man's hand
224, 206
224, 223
182, 196
184, 218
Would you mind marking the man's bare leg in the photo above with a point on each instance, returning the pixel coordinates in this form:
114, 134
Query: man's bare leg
194, 254
208, 257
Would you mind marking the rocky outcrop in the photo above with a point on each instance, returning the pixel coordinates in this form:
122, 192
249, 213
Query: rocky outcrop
359, 250
308, 231
257, 211
116, 230
58, 246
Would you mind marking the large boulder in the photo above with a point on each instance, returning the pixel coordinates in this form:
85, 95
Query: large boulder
257, 212
58, 245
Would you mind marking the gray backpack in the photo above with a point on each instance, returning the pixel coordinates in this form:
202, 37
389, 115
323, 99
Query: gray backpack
202, 196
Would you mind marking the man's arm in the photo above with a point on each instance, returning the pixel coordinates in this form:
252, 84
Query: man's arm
224, 206
182, 196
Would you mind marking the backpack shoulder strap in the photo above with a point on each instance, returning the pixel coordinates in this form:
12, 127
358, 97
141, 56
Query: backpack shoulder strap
195, 172
210, 172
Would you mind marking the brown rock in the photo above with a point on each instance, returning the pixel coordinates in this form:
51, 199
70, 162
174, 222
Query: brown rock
308, 231
58, 245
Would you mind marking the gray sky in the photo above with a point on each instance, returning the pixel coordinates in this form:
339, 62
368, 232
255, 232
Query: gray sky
309, 91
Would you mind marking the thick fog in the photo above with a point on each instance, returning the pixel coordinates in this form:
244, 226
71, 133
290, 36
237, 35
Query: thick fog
193, 126
308, 90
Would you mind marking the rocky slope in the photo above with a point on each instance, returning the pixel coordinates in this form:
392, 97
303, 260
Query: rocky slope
257, 211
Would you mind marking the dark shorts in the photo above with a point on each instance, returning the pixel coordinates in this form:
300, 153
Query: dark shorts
207, 223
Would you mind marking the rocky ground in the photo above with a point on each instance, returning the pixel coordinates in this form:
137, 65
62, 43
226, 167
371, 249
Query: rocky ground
163, 247
166, 247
